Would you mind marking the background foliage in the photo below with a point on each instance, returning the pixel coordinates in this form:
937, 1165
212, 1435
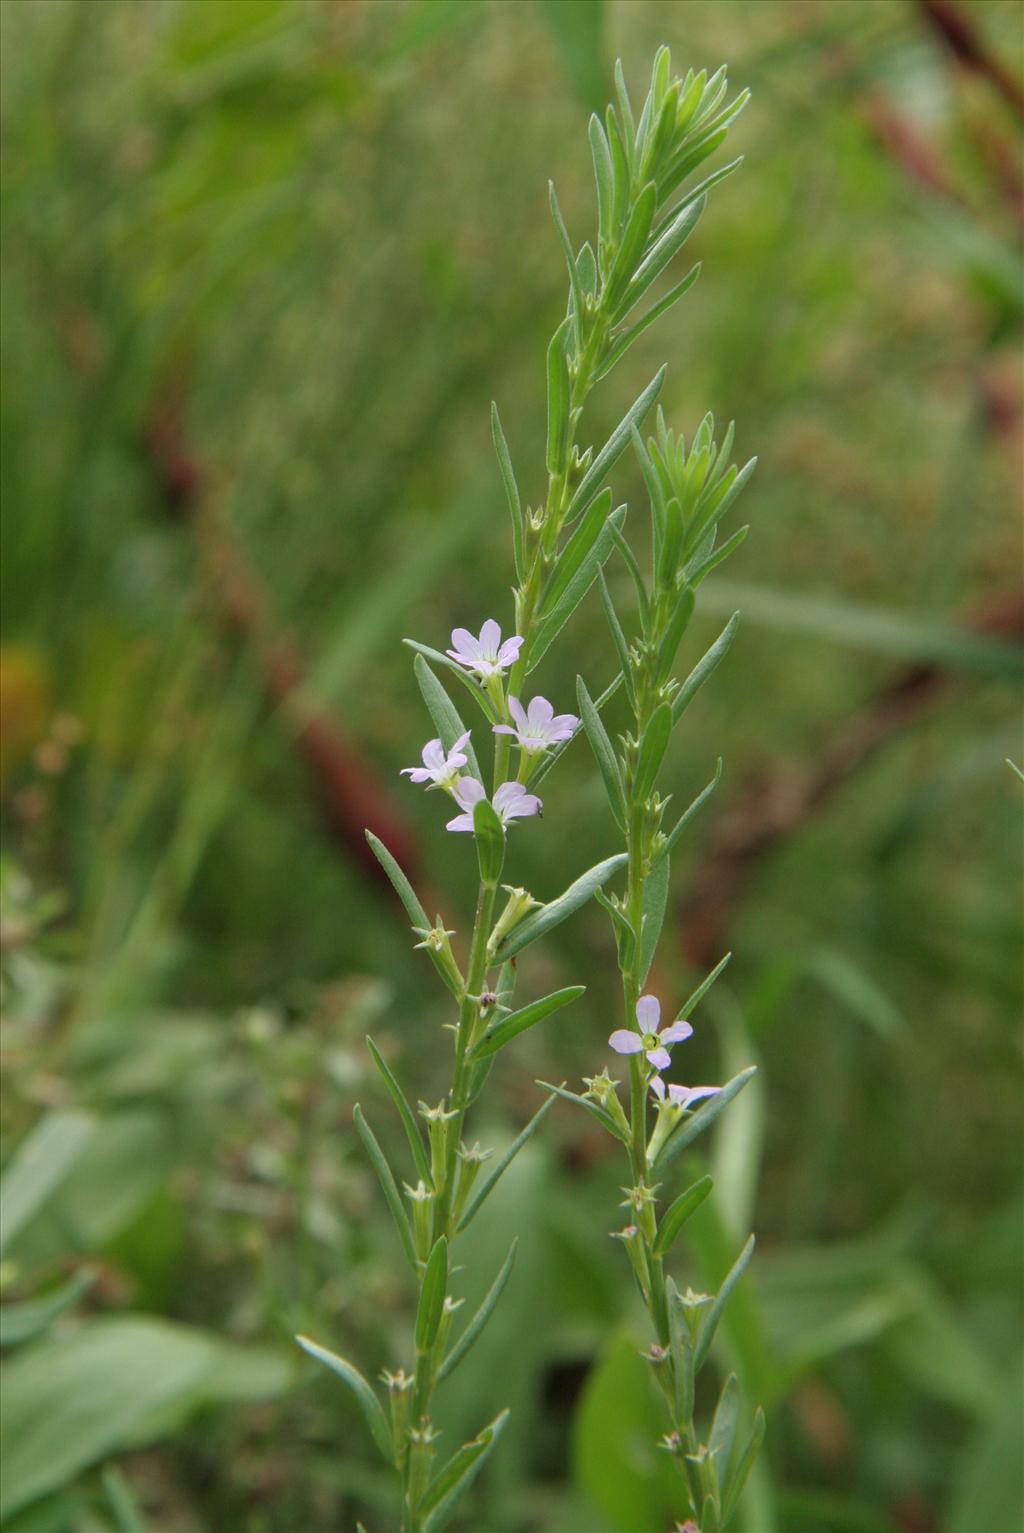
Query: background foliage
265, 265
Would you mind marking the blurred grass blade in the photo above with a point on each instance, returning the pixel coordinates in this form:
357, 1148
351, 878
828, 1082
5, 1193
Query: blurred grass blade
387, 1181
578, 33
373, 1412
38, 1168
517, 1022
409, 1123
486, 1187
483, 1314
21, 1322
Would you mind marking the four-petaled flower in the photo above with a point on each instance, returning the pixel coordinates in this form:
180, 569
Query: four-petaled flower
485, 656
649, 1040
511, 801
537, 726
682, 1096
439, 767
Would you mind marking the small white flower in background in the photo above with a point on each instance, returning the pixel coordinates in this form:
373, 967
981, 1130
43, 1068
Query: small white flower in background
537, 726
485, 656
649, 1040
682, 1096
439, 767
511, 802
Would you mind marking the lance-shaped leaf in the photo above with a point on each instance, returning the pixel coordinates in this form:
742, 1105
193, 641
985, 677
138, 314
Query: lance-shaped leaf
629, 559
704, 667
443, 713
709, 1324
38, 1168
718, 503
554, 621
681, 1348
677, 1213
477, 693
435, 1286
21, 1322
632, 245
661, 253
613, 449
655, 904
373, 1412
604, 177
515, 505
744, 1464
457, 1475
700, 568
593, 1108
653, 746
490, 841
554, 755
507, 1028
693, 1001
618, 637
672, 637
412, 1132
391, 1194
558, 400
688, 814
576, 550
700, 190
574, 278
483, 1314
603, 753
541, 921
723, 1427
625, 338
484, 1189
695, 1123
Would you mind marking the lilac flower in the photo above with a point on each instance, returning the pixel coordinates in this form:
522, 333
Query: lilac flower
485, 656
682, 1096
511, 801
537, 726
439, 768
649, 1040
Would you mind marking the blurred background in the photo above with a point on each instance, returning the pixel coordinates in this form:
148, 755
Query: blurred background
265, 266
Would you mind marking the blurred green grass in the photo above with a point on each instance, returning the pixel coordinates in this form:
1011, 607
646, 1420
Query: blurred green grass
265, 265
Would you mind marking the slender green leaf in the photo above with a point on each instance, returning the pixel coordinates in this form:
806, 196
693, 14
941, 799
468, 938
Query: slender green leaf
709, 1521
704, 667
604, 177
744, 1464
554, 621
558, 400
684, 819
593, 1108
458, 1474
554, 755
373, 1412
387, 1182
490, 840
700, 190
515, 505
477, 693
587, 531
484, 1189
123, 1504
443, 713
21, 1322
39, 1166
677, 1213
696, 1122
603, 753
541, 921
613, 449
625, 338
632, 245
625, 111
629, 559
700, 568
577, 309
656, 886
660, 254
702, 989
483, 1314
681, 1348
723, 1427
709, 1324
677, 626
503, 1031
652, 750
618, 637
401, 885
432, 1293
412, 1132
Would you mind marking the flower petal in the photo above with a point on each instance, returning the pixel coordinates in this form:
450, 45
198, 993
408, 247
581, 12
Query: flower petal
658, 1087
416, 774
468, 792
659, 1058
687, 1095
461, 822
504, 729
465, 642
433, 754
677, 1032
625, 1042
508, 654
490, 638
517, 711
540, 714
648, 1013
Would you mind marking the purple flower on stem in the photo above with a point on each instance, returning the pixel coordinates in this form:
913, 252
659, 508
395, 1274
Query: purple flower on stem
537, 726
439, 768
682, 1096
511, 801
649, 1040
485, 656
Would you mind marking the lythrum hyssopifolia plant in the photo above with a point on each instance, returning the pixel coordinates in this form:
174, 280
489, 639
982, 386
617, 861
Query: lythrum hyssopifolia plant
647, 208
